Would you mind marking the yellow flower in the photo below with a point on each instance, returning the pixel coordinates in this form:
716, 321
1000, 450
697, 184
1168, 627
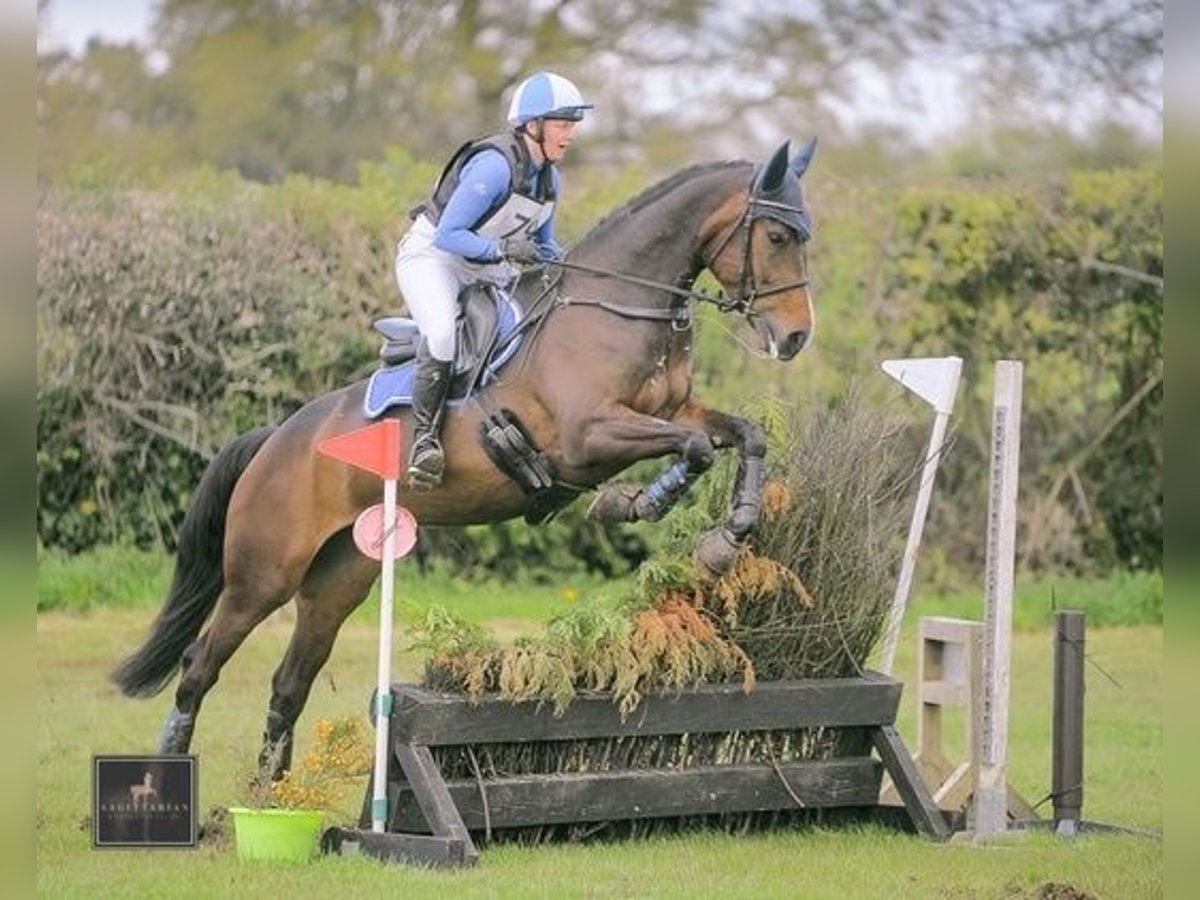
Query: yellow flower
339, 755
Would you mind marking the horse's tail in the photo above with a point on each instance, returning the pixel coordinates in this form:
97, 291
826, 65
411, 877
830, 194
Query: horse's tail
198, 575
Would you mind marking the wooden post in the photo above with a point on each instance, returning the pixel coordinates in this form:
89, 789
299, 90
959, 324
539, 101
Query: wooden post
991, 795
1066, 785
924, 813
948, 676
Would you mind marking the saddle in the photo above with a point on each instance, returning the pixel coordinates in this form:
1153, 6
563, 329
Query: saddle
487, 317
488, 336
478, 306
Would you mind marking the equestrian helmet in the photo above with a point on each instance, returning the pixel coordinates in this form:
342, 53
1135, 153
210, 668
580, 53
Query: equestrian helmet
545, 95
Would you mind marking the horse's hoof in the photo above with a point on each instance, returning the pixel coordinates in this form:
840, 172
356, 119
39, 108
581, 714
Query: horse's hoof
716, 552
615, 503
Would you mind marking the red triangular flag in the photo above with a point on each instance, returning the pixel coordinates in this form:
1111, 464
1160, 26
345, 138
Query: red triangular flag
375, 448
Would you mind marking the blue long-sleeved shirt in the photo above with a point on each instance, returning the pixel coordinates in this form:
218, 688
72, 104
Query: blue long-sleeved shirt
483, 185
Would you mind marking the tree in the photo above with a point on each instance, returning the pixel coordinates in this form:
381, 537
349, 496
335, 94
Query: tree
274, 86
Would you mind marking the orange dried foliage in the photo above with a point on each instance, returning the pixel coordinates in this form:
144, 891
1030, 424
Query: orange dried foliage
472, 671
752, 578
675, 644
776, 499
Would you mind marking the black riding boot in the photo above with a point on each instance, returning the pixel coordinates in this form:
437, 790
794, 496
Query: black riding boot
430, 386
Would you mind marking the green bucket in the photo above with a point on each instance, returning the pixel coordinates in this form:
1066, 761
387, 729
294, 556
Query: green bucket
287, 834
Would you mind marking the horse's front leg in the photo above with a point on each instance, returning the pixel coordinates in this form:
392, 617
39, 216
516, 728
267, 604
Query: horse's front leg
694, 433
717, 549
619, 437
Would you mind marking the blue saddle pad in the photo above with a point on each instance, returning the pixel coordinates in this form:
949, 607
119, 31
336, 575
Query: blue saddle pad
392, 385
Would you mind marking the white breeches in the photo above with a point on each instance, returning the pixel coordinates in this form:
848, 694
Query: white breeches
431, 279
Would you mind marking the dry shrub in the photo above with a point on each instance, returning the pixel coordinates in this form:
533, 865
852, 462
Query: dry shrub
811, 599
754, 580
461, 656
676, 645
529, 671
808, 599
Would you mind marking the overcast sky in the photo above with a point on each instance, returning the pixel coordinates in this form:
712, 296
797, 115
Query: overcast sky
72, 22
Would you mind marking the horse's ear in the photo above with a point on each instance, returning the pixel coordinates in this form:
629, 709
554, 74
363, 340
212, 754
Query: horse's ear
803, 157
770, 179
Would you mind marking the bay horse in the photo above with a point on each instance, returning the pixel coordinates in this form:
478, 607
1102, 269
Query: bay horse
603, 381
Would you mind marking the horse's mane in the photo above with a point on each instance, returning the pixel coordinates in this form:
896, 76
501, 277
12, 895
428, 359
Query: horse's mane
653, 193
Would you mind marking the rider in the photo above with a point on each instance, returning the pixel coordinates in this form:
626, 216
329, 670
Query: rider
492, 207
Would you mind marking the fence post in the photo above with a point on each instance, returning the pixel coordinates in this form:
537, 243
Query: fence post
991, 795
1066, 784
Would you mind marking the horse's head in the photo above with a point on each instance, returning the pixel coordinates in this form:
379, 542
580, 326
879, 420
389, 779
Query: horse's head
760, 238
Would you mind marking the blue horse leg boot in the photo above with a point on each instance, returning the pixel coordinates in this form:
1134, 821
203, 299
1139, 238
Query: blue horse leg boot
431, 384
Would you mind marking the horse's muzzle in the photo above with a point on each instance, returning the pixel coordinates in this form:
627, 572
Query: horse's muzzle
792, 344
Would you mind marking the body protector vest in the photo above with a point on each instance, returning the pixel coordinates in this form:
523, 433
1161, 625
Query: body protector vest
526, 208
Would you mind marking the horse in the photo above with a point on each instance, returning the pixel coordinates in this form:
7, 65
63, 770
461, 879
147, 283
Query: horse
141, 795
601, 381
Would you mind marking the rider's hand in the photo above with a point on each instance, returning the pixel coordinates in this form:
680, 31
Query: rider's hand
520, 249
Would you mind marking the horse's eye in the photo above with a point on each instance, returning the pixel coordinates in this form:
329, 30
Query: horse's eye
778, 238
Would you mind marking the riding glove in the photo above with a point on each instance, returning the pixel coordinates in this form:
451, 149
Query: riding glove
520, 249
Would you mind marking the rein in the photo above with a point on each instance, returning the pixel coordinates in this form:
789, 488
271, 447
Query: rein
743, 303
722, 303
678, 314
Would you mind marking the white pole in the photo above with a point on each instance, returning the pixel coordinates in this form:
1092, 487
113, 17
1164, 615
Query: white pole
383, 694
915, 529
991, 795
936, 381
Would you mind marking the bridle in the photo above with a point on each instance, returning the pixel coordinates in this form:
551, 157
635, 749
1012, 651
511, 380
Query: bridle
748, 287
678, 314
744, 302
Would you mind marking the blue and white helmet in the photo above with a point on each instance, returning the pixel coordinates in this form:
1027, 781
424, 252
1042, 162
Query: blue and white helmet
545, 95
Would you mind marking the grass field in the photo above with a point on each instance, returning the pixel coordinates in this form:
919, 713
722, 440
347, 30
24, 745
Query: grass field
126, 578
81, 714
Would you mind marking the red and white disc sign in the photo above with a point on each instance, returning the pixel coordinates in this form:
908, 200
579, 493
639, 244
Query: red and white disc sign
369, 534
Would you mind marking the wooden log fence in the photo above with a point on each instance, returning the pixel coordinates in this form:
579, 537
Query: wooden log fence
436, 820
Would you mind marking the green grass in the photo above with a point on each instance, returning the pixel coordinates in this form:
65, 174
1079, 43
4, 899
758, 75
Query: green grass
818, 864
80, 714
128, 578
107, 576
1122, 598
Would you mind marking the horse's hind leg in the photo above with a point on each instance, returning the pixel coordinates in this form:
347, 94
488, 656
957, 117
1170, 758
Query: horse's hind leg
337, 582
251, 593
